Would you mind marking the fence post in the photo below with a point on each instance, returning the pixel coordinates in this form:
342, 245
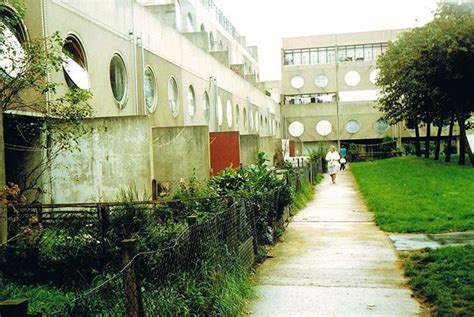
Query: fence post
39, 212
154, 190
133, 294
251, 213
193, 239
103, 212
15, 307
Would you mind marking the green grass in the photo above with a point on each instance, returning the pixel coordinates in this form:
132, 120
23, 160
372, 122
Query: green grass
444, 278
301, 199
41, 299
410, 194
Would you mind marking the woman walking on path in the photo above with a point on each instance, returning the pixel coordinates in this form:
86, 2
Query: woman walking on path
333, 162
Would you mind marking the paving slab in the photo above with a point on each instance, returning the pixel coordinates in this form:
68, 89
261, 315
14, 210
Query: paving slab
333, 261
416, 241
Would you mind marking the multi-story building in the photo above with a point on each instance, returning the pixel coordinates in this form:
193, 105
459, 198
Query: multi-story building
175, 92
329, 92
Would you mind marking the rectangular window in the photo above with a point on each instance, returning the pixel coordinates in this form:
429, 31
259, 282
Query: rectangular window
322, 56
296, 57
350, 53
330, 56
359, 53
341, 53
314, 56
377, 50
305, 57
368, 54
288, 57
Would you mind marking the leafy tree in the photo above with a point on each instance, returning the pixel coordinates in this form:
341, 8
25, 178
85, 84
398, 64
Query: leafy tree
426, 75
44, 120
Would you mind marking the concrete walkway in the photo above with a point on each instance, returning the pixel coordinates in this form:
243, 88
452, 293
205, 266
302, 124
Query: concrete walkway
333, 261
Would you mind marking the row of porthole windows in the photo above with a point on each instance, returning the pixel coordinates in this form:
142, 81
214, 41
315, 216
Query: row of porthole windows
77, 76
252, 121
352, 78
324, 127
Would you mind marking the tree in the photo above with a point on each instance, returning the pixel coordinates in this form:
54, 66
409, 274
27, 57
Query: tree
426, 75
44, 119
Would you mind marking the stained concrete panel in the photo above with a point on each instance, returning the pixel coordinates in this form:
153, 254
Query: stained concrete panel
178, 152
114, 155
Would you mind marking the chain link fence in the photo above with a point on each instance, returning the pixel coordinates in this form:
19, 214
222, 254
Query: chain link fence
156, 258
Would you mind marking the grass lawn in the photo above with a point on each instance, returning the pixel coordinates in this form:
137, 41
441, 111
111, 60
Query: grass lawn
444, 278
410, 194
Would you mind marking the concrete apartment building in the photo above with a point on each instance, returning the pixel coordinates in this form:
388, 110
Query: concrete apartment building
175, 92
329, 92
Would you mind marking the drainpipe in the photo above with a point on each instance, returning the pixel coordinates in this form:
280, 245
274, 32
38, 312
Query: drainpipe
337, 98
134, 58
142, 71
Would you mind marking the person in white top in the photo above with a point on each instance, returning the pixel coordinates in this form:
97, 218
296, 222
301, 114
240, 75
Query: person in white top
333, 162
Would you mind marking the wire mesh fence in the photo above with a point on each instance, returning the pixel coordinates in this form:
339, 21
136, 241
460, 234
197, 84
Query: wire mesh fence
163, 282
160, 258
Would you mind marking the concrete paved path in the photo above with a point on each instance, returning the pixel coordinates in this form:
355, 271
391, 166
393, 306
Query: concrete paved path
333, 261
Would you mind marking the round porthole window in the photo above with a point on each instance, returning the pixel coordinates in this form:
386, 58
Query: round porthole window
205, 106
173, 96
321, 81
297, 82
381, 126
178, 15
251, 120
74, 64
118, 80
191, 102
257, 123
245, 118
374, 75
150, 89
324, 127
12, 54
237, 115
352, 78
190, 23
229, 113
296, 129
220, 111
352, 126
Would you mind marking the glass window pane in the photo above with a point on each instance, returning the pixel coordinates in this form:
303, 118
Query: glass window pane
350, 53
341, 53
297, 57
305, 57
289, 58
150, 90
118, 79
322, 56
377, 50
330, 56
359, 53
368, 54
314, 56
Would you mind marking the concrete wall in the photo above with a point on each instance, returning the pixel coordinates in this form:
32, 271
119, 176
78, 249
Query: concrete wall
178, 152
249, 145
114, 155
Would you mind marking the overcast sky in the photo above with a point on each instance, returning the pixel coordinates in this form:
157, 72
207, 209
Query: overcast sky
265, 22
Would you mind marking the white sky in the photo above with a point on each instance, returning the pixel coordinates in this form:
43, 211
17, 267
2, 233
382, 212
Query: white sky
265, 22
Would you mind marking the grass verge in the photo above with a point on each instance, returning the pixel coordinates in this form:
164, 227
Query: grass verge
410, 194
444, 278
301, 199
